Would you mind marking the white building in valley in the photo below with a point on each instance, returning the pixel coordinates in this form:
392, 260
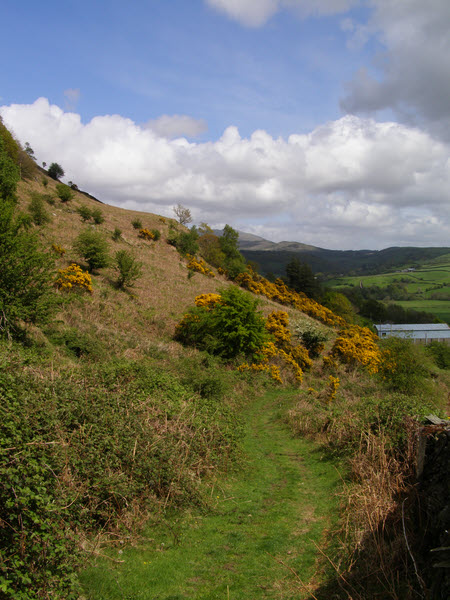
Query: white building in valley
420, 333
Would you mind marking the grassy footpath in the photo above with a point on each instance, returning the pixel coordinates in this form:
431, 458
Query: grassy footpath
259, 539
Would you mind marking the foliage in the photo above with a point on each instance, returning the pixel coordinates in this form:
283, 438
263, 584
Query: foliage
280, 353
279, 292
74, 278
97, 216
209, 246
9, 173
82, 454
440, 351
137, 223
55, 171
37, 210
312, 338
199, 265
182, 214
227, 328
23, 163
26, 272
64, 192
185, 242
84, 212
116, 234
150, 234
234, 262
128, 268
339, 304
58, 249
357, 346
404, 365
301, 279
92, 246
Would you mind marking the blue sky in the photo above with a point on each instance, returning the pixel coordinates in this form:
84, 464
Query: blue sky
320, 121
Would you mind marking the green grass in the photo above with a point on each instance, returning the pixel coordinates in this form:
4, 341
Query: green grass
440, 308
258, 539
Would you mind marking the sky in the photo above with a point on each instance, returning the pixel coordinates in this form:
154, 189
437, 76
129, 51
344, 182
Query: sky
325, 122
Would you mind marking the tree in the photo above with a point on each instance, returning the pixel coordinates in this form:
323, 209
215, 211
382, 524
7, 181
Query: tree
301, 279
234, 261
55, 171
93, 247
183, 214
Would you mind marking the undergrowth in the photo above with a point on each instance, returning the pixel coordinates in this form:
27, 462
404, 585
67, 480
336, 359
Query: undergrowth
93, 448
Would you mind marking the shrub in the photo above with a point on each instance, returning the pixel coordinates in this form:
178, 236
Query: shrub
312, 338
231, 328
116, 234
58, 249
184, 242
64, 192
199, 265
37, 210
73, 277
146, 234
84, 212
93, 247
26, 273
45, 181
403, 365
128, 267
137, 224
440, 351
97, 216
156, 234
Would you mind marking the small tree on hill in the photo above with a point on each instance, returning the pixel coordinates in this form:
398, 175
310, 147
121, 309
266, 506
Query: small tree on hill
55, 171
129, 269
183, 214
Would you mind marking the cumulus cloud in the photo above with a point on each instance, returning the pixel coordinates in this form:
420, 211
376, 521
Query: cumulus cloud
352, 183
172, 126
254, 13
411, 75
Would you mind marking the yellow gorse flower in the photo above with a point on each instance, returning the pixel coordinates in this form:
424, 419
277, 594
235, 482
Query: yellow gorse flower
73, 277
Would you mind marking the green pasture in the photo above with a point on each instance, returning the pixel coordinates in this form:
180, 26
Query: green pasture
440, 308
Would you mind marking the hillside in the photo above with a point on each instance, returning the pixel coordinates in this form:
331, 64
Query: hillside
132, 421
273, 257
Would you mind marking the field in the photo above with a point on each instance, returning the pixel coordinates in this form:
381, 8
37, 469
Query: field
425, 289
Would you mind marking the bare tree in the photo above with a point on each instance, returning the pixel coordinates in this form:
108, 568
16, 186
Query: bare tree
183, 214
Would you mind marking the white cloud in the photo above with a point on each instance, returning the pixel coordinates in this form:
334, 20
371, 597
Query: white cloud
350, 183
172, 126
412, 75
254, 13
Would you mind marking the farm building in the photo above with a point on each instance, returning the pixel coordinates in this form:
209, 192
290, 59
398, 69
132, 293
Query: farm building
420, 333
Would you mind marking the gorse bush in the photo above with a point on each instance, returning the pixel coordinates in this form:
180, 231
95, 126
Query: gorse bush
74, 278
228, 327
116, 234
97, 216
137, 223
84, 212
404, 365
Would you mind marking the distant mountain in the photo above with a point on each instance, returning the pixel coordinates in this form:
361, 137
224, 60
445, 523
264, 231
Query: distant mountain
272, 257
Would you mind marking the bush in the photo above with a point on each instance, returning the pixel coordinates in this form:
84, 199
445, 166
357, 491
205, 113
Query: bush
440, 351
74, 278
84, 212
37, 210
403, 365
128, 267
64, 192
232, 326
26, 274
93, 247
312, 338
137, 223
97, 216
116, 234
184, 242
